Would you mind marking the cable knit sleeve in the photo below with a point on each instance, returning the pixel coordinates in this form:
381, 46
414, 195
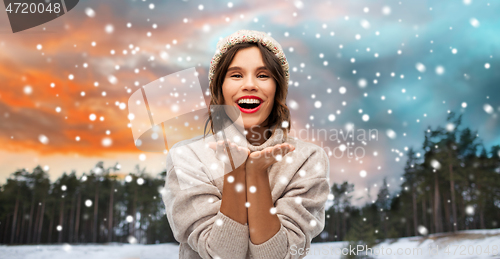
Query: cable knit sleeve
301, 211
192, 205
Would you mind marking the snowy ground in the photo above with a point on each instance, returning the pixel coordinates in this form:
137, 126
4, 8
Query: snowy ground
464, 244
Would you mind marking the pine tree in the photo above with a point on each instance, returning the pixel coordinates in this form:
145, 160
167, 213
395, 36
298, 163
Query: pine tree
361, 233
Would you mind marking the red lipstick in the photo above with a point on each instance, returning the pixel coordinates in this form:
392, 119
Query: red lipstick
249, 110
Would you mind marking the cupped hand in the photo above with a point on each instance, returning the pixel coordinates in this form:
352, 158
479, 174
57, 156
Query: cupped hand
238, 154
259, 161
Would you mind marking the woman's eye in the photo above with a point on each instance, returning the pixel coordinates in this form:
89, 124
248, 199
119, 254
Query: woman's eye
238, 76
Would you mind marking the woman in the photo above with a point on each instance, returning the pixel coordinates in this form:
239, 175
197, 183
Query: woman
273, 203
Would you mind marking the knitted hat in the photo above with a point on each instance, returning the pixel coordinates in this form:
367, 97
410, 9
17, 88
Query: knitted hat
243, 36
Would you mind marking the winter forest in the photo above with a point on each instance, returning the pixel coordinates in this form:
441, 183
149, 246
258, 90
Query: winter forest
451, 182
417, 76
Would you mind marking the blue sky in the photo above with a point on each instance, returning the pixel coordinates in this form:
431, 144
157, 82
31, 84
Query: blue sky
425, 32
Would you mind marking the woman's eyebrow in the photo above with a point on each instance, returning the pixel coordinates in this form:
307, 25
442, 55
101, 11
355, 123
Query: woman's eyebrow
239, 68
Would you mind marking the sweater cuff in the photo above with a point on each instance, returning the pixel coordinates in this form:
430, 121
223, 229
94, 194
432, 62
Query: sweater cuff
274, 248
229, 238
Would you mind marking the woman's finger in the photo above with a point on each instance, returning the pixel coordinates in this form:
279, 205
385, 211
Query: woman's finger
276, 149
268, 152
220, 147
284, 149
245, 149
287, 148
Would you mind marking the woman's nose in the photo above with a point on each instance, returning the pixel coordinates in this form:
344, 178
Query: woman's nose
249, 84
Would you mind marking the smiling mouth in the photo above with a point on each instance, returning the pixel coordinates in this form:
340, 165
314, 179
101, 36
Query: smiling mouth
248, 106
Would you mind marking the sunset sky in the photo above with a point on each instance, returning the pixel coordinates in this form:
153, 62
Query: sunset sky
397, 65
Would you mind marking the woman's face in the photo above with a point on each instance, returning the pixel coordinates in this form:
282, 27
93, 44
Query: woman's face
249, 86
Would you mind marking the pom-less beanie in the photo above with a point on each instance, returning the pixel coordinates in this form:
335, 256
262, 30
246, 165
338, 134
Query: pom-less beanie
243, 36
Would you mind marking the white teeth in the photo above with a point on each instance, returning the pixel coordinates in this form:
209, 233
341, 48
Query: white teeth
248, 101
